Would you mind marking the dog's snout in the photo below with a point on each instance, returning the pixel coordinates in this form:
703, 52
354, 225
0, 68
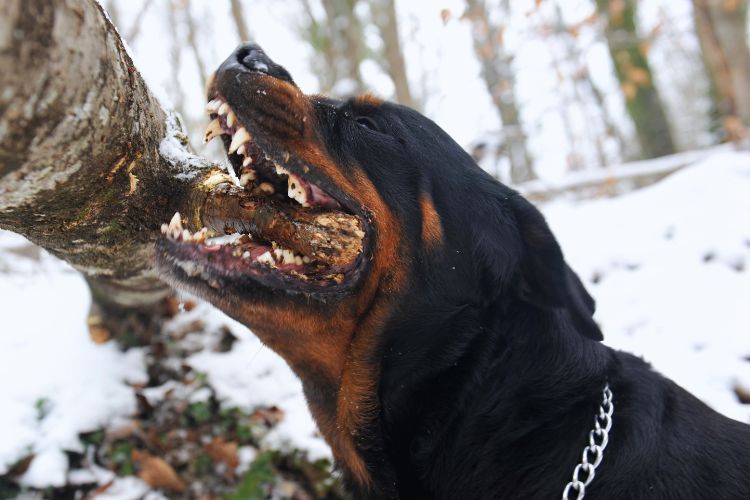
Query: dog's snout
252, 58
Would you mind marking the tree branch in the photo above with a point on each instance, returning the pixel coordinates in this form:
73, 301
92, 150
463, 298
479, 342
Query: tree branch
90, 163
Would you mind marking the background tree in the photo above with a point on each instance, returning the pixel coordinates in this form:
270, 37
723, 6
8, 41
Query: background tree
499, 78
630, 60
721, 27
392, 61
338, 42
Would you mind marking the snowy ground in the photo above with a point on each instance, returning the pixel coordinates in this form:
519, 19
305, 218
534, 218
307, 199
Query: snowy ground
668, 266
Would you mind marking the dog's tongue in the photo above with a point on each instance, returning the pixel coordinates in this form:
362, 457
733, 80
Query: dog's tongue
331, 236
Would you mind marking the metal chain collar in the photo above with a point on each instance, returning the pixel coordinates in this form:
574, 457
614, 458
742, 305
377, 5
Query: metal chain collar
594, 452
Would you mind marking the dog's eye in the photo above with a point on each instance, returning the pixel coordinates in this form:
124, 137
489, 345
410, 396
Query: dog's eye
367, 123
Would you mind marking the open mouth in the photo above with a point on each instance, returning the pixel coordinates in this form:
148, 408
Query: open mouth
271, 223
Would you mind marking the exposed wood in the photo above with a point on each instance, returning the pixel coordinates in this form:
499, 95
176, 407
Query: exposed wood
332, 237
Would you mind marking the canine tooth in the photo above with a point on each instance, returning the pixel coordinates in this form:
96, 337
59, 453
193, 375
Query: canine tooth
187, 236
267, 188
247, 161
213, 130
176, 223
241, 149
231, 119
213, 105
224, 108
240, 137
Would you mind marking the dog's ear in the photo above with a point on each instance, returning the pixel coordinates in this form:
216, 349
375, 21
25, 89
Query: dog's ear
545, 279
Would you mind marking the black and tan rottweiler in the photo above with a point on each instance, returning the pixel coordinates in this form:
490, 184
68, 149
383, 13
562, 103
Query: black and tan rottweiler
445, 347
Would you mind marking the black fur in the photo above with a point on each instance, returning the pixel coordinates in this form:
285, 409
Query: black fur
491, 366
492, 372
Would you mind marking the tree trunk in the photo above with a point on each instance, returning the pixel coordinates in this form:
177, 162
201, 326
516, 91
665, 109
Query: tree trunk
338, 42
629, 57
384, 14
722, 34
90, 163
239, 21
497, 73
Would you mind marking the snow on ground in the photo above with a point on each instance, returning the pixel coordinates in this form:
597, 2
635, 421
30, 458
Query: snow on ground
667, 264
672, 263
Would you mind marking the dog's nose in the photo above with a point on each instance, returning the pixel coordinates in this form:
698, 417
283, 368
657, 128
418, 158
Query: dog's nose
251, 57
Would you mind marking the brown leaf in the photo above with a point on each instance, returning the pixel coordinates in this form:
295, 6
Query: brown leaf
270, 416
97, 332
156, 472
743, 394
445, 15
222, 451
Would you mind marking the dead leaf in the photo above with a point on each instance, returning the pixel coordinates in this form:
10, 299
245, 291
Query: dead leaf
97, 332
156, 472
223, 452
270, 416
743, 394
445, 15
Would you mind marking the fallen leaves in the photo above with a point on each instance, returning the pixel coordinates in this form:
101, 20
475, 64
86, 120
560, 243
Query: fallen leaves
156, 472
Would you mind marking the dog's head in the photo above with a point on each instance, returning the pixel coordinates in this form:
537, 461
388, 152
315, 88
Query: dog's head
397, 212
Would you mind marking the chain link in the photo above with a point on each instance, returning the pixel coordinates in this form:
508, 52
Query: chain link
593, 453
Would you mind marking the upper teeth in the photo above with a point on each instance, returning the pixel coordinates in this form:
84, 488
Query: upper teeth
214, 129
239, 144
213, 105
240, 137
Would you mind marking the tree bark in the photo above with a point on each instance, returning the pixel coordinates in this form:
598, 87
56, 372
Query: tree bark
498, 76
722, 34
629, 57
90, 163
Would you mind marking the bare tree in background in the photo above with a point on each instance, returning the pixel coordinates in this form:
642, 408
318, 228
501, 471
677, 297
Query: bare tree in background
497, 72
385, 19
630, 59
338, 42
239, 21
722, 32
584, 84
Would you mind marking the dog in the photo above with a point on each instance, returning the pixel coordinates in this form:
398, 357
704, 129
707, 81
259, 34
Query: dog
455, 355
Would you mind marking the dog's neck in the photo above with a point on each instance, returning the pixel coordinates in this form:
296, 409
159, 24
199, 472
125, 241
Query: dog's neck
510, 386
